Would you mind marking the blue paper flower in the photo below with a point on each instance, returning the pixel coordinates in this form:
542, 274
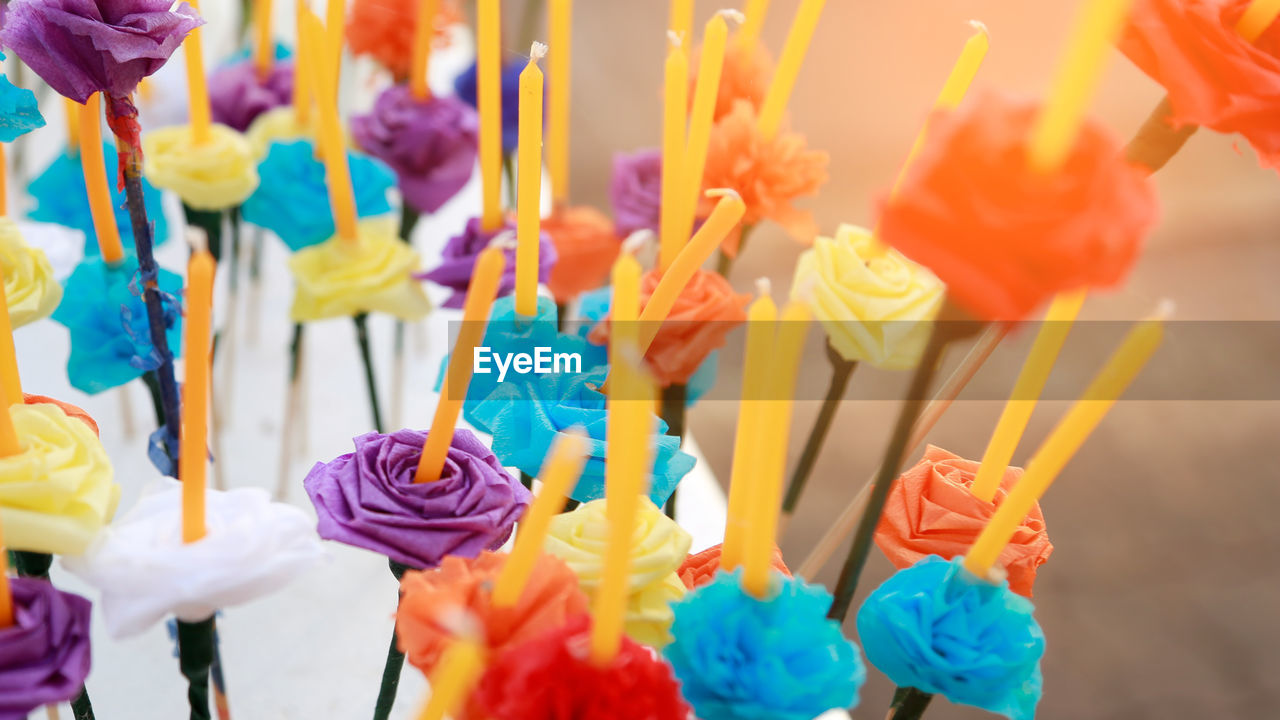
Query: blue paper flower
61, 198
466, 83
938, 628
292, 199
19, 111
780, 658
102, 306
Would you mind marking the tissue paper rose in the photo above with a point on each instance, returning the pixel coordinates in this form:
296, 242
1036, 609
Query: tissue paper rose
430, 600
699, 569
526, 419
385, 29
292, 200
1003, 236
212, 175
19, 111
586, 247
465, 86
62, 246
238, 95
44, 655
82, 46
71, 410
636, 191
875, 304
369, 499
1213, 76
145, 572
777, 658
107, 318
937, 628
278, 125
341, 278
58, 493
659, 545
554, 678
458, 259
746, 75
29, 285
769, 174
931, 511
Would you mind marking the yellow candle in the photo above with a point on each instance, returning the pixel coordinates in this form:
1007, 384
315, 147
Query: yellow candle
423, 35
1031, 381
560, 38
264, 49
1066, 438
95, 179
4, 182
1099, 25
489, 105
195, 394
775, 426
761, 323
10, 381
335, 27
755, 12
675, 105
681, 19
197, 89
1257, 18
475, 318
701, 117
73, 125
305, 59
784, 77
628, 465
529, 197
452, 680
332, 146
559, 475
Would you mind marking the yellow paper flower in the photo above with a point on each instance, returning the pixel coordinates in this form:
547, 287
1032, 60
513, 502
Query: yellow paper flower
338, 278
278, 125
57, 494
29, 285
581, 537
213, 175
874, 303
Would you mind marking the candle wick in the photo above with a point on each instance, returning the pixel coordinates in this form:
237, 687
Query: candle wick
980, 27
537, 51
764, 287
505, 240
723, 193
676, 39
197, 240
1164, 309
637, 241
732, 14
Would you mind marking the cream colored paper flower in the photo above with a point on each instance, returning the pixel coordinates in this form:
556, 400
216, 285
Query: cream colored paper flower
29, 284
276, 125
213, 175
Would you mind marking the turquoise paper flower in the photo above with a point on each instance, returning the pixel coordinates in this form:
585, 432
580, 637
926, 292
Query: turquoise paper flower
19, 111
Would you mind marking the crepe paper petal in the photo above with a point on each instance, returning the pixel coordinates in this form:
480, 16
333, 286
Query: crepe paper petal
874, 303
44, 655
1003, 236
635, 191
768, 173
61, 198
213, 175
746, 76
238, 95
56, 494
385, 29
465, 86
738, 657
62, 246
1213, 76
81, 47
110, 334
586, 246
705, 312
431, 144
368, 499
292, 200
162, 450
341, 278
66, 407
554, 678
29, 285
278, 125
431, 600
659, 545
699, 569
145, 572
458, 259
19, 111
940, 629
931, 511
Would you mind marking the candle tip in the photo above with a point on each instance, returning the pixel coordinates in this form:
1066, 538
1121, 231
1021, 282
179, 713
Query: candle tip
197, 240
980, 27
723, 193
676, 39
1165, 309
505, 240
732, 14
637, 241
764, 287
537, 51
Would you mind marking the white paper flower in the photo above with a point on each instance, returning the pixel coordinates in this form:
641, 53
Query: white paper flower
146, 573
63, 246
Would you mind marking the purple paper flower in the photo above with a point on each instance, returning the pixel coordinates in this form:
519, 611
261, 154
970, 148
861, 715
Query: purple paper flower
636, 191
430, 144
82, 46
368, 499
459, 258
44, 656
238, 95
466, 86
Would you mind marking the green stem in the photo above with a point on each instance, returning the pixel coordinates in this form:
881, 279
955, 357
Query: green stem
908, 704
362, 337
195, 657
841, 372
674, 408
395, 661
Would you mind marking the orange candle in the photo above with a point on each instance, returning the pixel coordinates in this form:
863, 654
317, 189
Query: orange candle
332, 146
1257, 18
675, 107
529, 196
489, 105
193, 453
264, 49
475, 318
73, 125
423, 35
95, 179
197, 88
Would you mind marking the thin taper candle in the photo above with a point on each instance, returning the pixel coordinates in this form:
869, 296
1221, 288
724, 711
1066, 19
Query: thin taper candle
1257, 18
755, 12
93, 165
263, 49
423, 35
561, 91
456, 674
197, 87
529, 196
10, 381
788, 69
701, 118
674, 109
334, 31
680, 21
72, 109
303, 82
489, 106
193, 454
333, 151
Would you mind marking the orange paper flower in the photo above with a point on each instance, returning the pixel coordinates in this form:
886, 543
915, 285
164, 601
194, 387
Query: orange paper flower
930, 511
384, 29
68, 408
748, 70
769, 174
1213, 75
698, 569
586, 247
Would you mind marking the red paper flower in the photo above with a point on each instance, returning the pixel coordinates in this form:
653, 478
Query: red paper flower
1213, 75
554, 678
1004, 237
698, 569
586, 247
930, 511
747, 72
431, 598
385, 29
68, 408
